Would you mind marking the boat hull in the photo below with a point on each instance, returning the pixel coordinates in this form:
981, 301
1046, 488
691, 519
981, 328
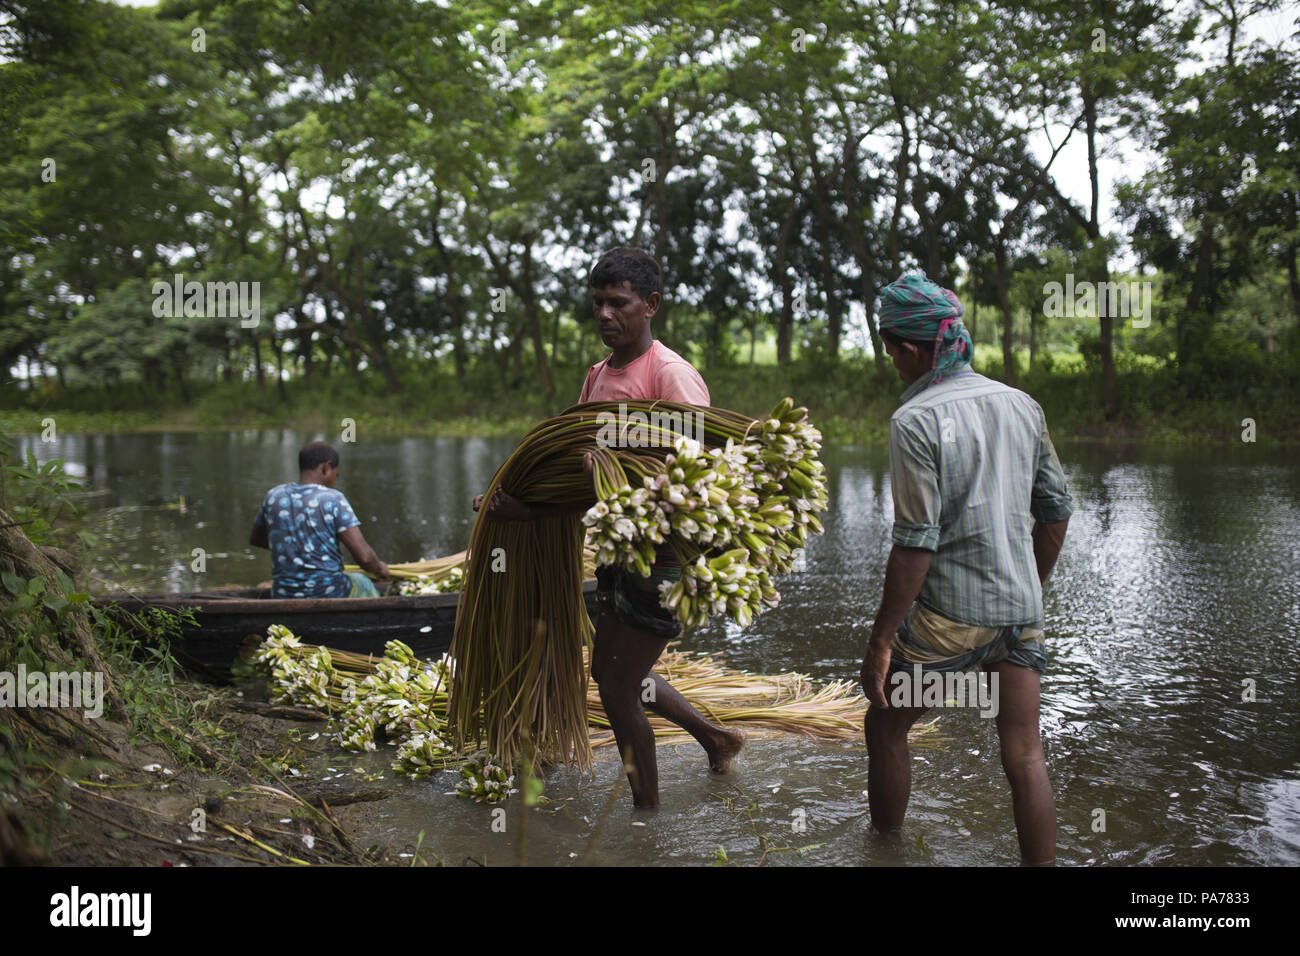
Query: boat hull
229, 623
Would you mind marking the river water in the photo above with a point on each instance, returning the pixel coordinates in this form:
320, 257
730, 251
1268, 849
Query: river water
1170, 715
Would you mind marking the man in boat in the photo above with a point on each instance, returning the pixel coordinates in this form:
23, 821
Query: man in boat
302, 524
632, 628
980, 514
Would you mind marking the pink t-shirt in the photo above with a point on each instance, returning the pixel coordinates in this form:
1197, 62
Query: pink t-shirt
658, 373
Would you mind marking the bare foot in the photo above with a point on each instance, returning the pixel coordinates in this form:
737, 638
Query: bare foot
724, 751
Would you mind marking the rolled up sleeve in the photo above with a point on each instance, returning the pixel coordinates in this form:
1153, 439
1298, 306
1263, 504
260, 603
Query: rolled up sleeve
914, 478
1050, 501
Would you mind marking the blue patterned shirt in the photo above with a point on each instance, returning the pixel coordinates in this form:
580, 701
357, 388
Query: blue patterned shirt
972, 468
303, 523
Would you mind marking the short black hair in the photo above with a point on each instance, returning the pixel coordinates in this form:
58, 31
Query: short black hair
897, 340
317, 453
635, 265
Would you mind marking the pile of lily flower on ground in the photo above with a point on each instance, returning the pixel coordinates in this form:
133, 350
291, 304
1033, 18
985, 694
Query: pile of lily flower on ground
401, 699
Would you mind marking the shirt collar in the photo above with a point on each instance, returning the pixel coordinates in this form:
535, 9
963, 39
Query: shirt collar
926, 380
918, 386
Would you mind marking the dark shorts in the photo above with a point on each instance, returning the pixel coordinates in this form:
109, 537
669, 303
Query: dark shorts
635, 600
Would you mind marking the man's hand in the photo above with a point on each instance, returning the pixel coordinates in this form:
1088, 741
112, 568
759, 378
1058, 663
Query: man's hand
504, 507
1048, 539
260, 537
905, 572
875, 668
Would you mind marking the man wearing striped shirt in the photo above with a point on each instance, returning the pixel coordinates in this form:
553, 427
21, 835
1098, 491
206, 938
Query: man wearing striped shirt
980, 514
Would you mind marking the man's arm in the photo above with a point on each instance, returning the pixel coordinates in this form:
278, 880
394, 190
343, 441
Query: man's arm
362, 551
505, 507
260, 537
904, 574
914, 475
1048, 539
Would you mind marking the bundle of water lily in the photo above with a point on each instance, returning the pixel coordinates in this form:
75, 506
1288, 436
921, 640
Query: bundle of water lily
398, 695
734, 497
451, 580
403, 699
434, 576
443, 575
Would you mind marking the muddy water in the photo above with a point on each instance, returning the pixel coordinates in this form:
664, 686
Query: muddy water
1176, 596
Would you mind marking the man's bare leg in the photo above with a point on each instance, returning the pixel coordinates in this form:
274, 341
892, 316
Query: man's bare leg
889, 769
720, 744
620, 664
1022, 759
620, 660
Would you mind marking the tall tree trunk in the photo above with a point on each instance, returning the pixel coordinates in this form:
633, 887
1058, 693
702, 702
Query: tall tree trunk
1191, 321
867, 283
306, 354
781, 279
526, 290
1004, 303
1292, 251
834, 305
178, 369
277, 347
501, 358
457, 307
1105, 322
534, 317
1106, 325
516, 358
900, 182
785, 324
257, 362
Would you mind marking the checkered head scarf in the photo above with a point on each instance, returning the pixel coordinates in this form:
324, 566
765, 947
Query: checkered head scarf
915, 308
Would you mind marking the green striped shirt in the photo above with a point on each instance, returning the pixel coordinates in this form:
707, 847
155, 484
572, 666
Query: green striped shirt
972, 468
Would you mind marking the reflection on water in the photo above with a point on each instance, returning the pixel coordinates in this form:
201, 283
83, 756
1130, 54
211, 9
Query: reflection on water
1169, 705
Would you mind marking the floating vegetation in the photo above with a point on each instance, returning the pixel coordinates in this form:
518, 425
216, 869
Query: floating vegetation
484, 781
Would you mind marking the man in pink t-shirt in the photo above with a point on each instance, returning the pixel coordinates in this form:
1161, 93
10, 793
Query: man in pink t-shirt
658, 372
632, 628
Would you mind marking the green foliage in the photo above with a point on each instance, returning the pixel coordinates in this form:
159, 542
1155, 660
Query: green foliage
159, 705
419, 202
34, 611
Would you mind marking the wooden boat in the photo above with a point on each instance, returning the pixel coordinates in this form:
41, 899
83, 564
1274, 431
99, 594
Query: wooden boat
231, 621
